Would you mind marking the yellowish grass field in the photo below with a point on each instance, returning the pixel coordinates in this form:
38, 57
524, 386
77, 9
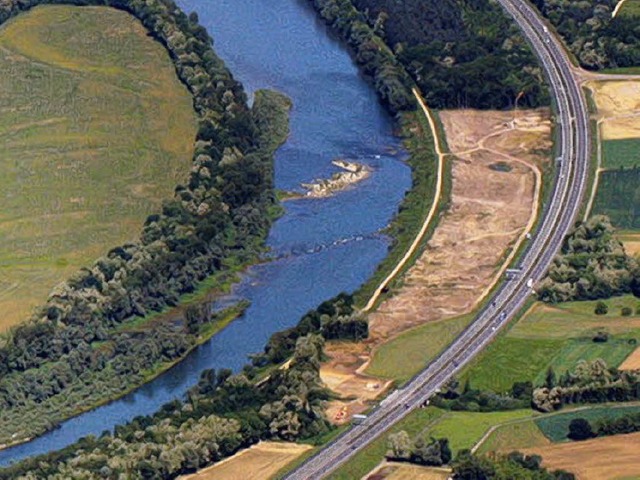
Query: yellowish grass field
416, 472
632, 362
602, 458
259, 462
619, 103
95, 130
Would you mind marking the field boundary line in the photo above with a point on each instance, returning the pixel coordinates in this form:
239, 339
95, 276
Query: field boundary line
534, 417
596, 180
432, 210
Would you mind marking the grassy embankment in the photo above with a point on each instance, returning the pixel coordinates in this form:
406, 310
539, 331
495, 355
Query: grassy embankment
418, 140
96, 131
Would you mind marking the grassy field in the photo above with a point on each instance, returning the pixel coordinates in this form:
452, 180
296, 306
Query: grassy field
465, 429
631, 8
95, 131
618, 196
405, 355
621, 153
514, 436
557, 336
556, 427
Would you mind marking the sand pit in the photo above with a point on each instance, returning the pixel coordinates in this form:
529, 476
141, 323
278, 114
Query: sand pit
492, 200
618, 104
632, 362
598, 459
342, 374
258, 462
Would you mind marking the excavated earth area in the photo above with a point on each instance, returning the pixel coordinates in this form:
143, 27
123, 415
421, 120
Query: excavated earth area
496, 160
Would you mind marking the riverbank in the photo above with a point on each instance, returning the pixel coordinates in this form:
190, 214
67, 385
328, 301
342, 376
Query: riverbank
120, 330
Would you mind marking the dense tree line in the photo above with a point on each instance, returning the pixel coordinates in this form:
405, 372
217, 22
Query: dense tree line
334, 319
79, 341
422, 451
468, 466
591, 264
582, 429
462, 53
390, 79
452, 397
589, 382
222, 414
596, 38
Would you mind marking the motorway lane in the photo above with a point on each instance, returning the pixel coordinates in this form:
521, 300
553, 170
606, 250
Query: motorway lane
558, 218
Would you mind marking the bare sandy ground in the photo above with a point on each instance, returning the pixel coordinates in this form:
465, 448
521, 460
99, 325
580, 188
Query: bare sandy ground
618, 104
598, 459
258, 462
632, 362
492, 200
496, 165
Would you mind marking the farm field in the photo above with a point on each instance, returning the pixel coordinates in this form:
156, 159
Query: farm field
617, 194
604, 458
403, 471
513, 436
555, 427
95, 131
260, 461
621, 153
465, 429
618, 197
557, 336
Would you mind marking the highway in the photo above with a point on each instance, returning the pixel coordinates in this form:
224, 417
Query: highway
557, 218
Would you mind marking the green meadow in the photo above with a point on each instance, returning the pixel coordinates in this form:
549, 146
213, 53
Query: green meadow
95, 130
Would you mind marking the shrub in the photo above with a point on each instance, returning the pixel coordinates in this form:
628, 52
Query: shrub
626, 311
580, 429
601, 337
601, 308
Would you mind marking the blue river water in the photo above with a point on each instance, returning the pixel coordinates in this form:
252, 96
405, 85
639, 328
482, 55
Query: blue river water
321, 247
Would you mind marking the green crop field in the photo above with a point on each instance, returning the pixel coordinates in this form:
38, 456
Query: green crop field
556, 427
404, 356
465, 429
618, 196
95, 130
557, 336
621, 153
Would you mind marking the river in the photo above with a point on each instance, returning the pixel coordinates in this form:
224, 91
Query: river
321, 247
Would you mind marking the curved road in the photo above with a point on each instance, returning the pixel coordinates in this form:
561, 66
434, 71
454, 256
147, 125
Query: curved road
558, 217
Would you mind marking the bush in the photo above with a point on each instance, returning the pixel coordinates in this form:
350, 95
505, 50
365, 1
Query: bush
601, 337
580, 429
626, 311
601, 308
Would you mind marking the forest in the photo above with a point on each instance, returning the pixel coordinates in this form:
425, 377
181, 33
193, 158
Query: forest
86, 340
597, 39
461, 53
